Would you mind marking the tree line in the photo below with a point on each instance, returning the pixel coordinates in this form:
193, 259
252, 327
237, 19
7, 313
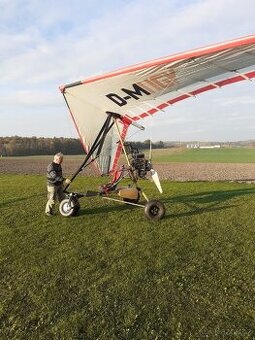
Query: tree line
29, 146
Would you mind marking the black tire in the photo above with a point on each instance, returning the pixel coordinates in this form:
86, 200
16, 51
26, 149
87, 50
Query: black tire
76, 206
69, 207
154, 210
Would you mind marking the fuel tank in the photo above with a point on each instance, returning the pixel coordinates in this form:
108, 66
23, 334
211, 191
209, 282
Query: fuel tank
130, 193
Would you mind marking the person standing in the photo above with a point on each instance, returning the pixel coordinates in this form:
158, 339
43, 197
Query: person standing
55, 187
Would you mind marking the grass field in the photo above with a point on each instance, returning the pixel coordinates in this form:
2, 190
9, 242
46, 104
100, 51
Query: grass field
109, 273
222, 155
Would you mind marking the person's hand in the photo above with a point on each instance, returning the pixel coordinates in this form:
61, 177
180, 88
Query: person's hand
67, 181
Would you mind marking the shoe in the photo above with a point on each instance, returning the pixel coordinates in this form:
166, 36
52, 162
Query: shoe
49, 214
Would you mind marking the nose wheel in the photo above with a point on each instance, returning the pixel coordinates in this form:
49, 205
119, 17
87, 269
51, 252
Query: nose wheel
69, 207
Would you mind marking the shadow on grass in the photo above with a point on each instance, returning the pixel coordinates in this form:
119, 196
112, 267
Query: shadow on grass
104, 208
208, 201
212, 196
196, 210
19, 199
204, 202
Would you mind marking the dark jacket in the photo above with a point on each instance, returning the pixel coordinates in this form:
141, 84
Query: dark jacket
54, 174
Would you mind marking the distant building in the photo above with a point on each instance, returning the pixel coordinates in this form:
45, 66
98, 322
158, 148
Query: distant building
193, 146
198, 146
216, 146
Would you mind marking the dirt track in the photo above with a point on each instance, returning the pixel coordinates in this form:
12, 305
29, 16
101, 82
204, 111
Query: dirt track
171, 171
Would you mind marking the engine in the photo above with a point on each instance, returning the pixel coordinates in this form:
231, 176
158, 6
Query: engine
138, 161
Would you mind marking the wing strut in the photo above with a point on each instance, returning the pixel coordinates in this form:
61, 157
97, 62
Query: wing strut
97, 145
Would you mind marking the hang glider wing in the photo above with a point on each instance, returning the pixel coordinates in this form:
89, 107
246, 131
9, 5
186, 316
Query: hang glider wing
141, 90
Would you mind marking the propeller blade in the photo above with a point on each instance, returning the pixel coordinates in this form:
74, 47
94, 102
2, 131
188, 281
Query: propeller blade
156, 180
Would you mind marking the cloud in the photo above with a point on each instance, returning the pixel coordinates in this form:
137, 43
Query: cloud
127, 34
46, 44
246, 99
29, 98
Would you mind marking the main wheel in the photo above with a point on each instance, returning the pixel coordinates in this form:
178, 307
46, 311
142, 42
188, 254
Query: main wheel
154, 210
69, 207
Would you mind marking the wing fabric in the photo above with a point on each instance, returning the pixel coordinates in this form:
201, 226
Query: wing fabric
142, 90
88, 120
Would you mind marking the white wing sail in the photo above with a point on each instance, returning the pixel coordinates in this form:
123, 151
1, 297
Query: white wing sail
141, 90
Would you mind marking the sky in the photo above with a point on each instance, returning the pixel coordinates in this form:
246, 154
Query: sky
45, 44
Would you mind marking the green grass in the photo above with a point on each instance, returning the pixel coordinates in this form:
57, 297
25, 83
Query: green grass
109, 273
223, 155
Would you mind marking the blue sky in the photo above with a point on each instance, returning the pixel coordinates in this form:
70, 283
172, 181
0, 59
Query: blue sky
45, 44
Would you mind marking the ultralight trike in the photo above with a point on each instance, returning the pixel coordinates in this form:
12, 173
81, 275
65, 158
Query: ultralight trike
137, 168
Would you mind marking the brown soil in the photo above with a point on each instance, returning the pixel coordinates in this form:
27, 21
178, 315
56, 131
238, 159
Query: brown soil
207, 171
171, 171
38, 166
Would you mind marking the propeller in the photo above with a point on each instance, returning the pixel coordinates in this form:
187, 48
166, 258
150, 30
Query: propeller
154, 173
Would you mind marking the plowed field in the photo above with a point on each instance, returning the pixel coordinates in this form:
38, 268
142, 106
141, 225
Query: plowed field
171, 171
